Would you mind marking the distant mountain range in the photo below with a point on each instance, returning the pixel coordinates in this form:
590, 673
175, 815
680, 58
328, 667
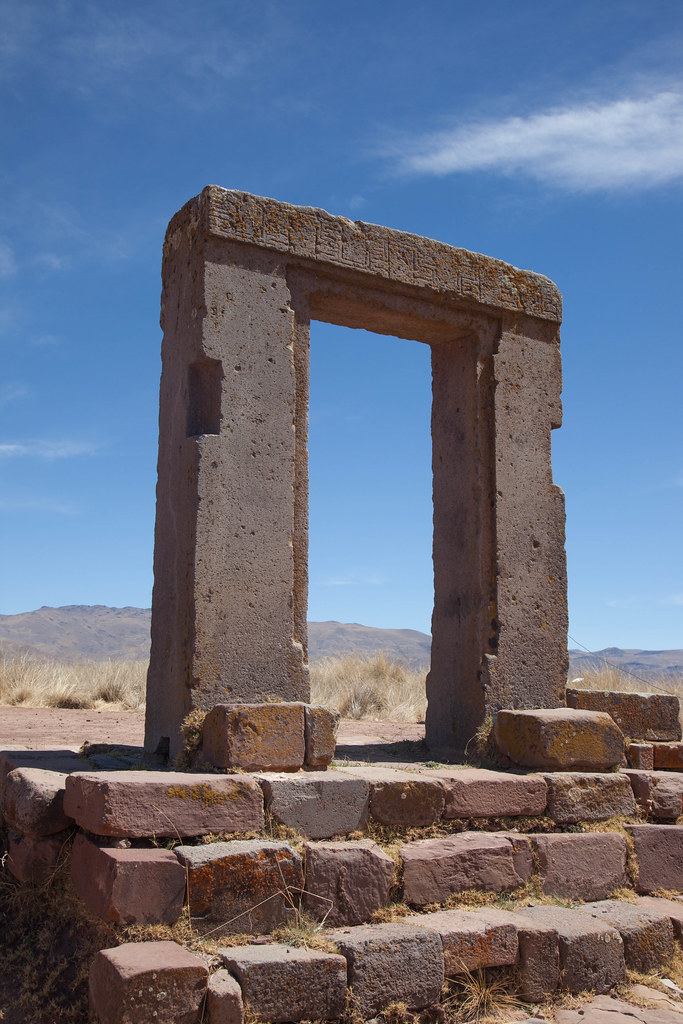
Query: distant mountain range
97, 632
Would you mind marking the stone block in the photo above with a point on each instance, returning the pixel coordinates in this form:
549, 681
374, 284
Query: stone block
241, 886
35, 860
224, 1003
559, 739
402, 798
391, 963
538, 967
34, 801
672, 908
346, 882
647, 934
255, 737
640, 716
319, 805
591, 952
142, 981
433, 869
581, 866
140, 804
640, 755
588, 796
321, 725
668, 756
128, 886
480, 793
472, 940
659, 856
658, 794
286, 983
62, 761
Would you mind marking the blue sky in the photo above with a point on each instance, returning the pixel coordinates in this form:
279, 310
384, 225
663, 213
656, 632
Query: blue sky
547, 134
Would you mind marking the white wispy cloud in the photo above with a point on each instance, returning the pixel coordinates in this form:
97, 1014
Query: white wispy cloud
674, 599
622, 602
629, 143
355, 578
45, 449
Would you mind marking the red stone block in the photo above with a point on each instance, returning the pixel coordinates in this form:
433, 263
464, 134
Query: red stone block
659, 856
480, 793
581, 866
433, 869
668, 756
403, 798
470, 940
286, 983
34, 801
255, 737
241, 886
35, 860
346, 882
140, 982
224, 1001
559, 739
141, 804
321, 725
128, 886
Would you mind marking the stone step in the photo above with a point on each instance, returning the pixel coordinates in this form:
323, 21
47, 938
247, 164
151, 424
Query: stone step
640, 716
647, 934
374, 966
659, 856
561, 739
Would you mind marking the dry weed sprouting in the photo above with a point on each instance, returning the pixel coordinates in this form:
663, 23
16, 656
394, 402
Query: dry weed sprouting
370, 686
480, 995
45, 683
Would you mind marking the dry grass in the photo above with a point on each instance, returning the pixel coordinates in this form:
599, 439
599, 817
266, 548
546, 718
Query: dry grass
371, 686
608, 678
38, 683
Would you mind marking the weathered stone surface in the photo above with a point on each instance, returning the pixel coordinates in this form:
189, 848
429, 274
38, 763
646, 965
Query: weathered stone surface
142, 981
321, 725
34, 801
640, 716
672, 908
241, 886
319, 805
433, 869
480, 793
346, 882
581, 866
472, 940
608, 1009
659, 856
286, 983
224, 1003
140, 803
229, 606
668, 756
389, 963
255, 736
588, 796
538, 968
128, 886
659, 794
647, 934
62, 761
401, 797
640, 755
559, 739
591, 952
35, 860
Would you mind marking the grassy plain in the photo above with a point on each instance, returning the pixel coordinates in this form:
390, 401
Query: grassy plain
359, 686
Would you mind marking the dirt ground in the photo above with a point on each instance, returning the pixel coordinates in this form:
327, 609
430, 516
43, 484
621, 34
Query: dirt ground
58, 729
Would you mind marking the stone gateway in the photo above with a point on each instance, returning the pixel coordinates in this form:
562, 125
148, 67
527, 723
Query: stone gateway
243, 277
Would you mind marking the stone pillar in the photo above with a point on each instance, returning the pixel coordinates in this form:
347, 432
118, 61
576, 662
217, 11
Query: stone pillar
499, 625
228, 609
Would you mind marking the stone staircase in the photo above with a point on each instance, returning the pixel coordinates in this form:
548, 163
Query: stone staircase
394, 878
